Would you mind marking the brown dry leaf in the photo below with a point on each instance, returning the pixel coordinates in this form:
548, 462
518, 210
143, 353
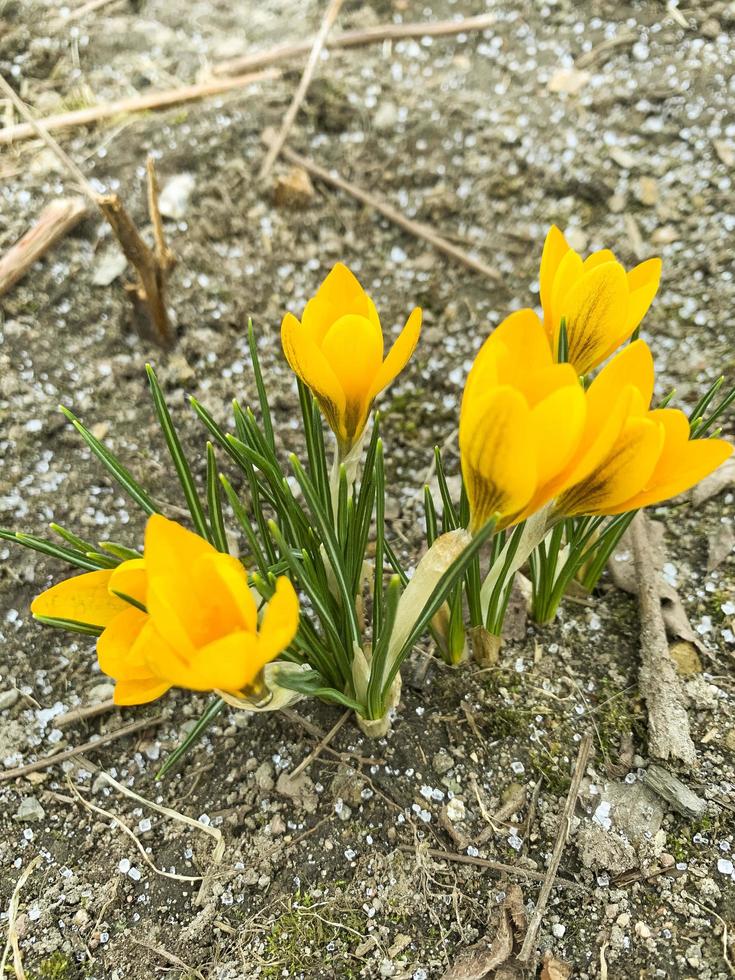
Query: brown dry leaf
495, 958
475, 962
719, 545
622, 571
294, 190
568, 80
722, 479
554, 969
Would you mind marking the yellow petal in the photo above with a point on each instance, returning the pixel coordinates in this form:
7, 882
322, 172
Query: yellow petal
526, 346
622, 474
170, 549
174, 613
555, 248
567, 274
309, 363
229, 663
593, 309
231, 576
399, 354
643, 282
83, 599
683, 461
139, 692
116, 652
496, 444
598, 258
353, 348
632, 366
558, 424
338, 295
130, 579
280, 621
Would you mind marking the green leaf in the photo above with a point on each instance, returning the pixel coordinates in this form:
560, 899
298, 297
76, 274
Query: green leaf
262, 395
243, 520
53, 550
449, 517
562, 351
378, 599
210, 713
329, 540
312, 684
214, 503
177, 455
70, 624
381, 642
120, 551
432, 531
113, 465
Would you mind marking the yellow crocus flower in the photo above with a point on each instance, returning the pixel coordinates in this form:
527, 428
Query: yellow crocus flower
337, 350
600, 303
631, 456
181, 616
521, 421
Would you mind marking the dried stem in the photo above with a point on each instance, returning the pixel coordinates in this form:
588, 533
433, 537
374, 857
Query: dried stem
388, 211
91, 746
56, 219
122, 107
499, 866
561, 840
12, 940
356, 39
329, 18
668, 722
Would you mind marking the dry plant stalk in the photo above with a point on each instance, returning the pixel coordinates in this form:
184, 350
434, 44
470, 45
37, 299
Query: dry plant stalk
329, 18
12, 940
415, 228
669, 736
56, 219
534, 922
356, 39
139, 103
152, 265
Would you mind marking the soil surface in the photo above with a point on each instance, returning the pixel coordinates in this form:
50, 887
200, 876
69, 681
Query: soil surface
614, 120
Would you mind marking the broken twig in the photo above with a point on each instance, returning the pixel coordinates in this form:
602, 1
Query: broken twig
91, 746
56, 219
355, 39
668, 722
499, 866
139, 103
565, 826
677, 795
275, 147
151, 266
388, 211
12, 940
83, 712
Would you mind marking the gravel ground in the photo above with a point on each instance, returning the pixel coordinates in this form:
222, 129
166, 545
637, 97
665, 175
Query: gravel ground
613, 120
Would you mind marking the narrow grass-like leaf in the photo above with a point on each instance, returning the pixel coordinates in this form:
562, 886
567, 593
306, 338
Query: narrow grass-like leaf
177, 455
378, 598
244, 521
53, 550
79, 544
450, 521
112, 464
214, 503
70, 624
331, 546
381, 642
120, 551
210, 713
432, 531
265, 411
312, 684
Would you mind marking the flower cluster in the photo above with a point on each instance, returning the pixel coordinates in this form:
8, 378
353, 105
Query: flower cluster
559, 446
182, 615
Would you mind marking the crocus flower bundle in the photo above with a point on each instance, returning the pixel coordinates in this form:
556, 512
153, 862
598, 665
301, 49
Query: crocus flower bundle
560, 443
